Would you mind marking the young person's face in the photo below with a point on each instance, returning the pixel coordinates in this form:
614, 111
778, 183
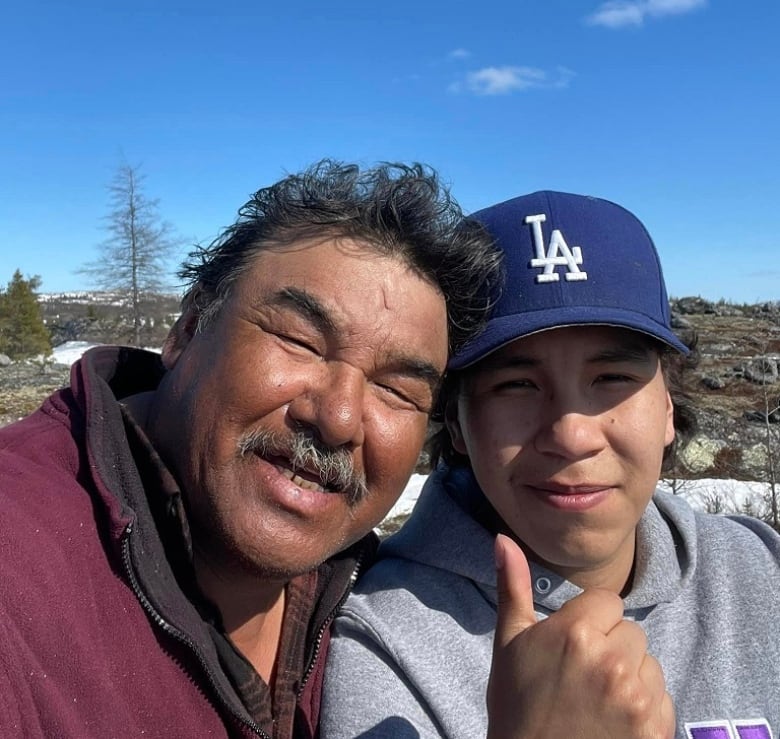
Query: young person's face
565, 431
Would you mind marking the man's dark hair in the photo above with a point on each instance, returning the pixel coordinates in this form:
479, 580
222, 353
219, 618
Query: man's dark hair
675, 366
401, 211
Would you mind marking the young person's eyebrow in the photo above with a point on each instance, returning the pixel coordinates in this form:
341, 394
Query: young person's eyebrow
306, 305
634, 352
631, 351
508, 361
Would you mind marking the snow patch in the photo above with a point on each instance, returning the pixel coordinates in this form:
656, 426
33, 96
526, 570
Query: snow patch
70, 351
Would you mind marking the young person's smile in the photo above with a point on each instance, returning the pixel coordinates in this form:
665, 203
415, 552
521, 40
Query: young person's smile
565, 431
572, 498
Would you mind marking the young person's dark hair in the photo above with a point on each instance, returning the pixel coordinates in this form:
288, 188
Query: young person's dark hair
678, 372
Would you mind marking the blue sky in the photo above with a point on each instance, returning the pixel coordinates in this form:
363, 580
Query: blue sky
668, 107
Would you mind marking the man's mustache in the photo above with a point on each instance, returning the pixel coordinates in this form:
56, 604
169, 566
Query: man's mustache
305, 452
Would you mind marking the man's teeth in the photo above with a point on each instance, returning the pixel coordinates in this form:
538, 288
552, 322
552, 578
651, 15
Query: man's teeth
300, 481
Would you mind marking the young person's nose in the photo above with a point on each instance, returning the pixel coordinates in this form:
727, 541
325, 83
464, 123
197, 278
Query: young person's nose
569, 432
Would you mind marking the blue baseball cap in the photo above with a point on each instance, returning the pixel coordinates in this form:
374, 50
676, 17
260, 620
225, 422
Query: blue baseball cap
571, 260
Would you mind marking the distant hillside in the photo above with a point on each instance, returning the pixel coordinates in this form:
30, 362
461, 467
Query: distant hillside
736, 389
104, 317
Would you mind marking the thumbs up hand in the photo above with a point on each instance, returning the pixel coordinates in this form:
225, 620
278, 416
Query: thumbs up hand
581, 673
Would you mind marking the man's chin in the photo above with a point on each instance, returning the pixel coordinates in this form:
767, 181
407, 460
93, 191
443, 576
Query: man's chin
286, 561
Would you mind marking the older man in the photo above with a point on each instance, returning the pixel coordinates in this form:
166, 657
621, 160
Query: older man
177, 531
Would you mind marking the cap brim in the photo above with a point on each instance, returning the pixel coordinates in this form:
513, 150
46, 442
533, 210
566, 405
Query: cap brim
503, 330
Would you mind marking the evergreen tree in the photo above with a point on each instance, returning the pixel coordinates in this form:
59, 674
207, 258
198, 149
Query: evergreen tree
22, 330
133, 258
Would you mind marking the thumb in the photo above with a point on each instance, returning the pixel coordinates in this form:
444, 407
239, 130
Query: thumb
515, 597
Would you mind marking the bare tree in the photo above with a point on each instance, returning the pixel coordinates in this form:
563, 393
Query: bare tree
133, 258
771, 408
764, 370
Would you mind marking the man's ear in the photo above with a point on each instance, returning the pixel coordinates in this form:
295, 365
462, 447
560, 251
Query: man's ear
182, 331
452, 422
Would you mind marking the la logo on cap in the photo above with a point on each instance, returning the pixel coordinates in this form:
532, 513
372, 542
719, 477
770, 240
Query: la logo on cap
558, 253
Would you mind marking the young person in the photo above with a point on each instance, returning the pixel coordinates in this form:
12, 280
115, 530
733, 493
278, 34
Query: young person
557, 420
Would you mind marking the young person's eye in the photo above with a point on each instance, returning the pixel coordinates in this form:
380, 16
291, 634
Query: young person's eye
514, 384
614, 377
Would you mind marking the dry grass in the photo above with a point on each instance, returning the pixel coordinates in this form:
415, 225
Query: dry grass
23, 387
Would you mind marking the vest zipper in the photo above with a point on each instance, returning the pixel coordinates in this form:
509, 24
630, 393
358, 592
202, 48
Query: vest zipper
177, 633
326, 623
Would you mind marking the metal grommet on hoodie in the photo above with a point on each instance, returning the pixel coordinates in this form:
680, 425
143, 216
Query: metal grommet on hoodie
543, 585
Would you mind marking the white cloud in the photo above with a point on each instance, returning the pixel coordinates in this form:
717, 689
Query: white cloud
622, 13
562, 77
459, 54
617, 15
509, 79
673, 7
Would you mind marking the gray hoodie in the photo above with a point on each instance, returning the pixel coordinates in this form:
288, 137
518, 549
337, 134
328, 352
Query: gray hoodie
411, 652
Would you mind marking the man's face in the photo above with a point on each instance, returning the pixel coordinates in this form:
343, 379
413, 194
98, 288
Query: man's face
326, 339
565, 432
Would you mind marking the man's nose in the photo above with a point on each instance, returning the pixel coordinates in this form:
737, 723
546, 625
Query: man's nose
333, 406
